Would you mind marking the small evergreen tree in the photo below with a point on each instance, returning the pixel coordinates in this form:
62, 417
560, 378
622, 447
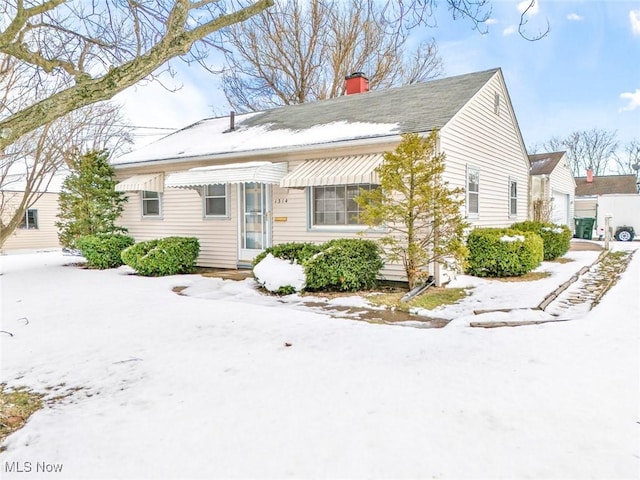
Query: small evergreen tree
89, 203
417, 208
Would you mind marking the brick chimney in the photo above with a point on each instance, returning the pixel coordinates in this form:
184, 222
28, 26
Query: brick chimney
356, 83
589, 175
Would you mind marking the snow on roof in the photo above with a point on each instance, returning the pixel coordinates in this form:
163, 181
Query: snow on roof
212, 137
419, 107
18, 183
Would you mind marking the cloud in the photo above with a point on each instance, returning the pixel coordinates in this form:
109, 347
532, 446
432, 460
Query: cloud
491, 21
526, 5
510, 30
574, 17
634, 18
634, 100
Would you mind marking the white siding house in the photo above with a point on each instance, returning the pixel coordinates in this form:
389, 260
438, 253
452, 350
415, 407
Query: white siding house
552, 181
37, 230
245, 182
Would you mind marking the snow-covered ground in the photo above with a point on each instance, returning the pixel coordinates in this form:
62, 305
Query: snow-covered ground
205, 386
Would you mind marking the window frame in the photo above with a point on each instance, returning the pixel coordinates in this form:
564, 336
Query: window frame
205, 196
311, 195
25, 224
513, 212
471, 170
143, 200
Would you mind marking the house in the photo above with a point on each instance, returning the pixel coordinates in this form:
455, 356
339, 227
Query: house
614, 196
37, 230
244, 182
552, 187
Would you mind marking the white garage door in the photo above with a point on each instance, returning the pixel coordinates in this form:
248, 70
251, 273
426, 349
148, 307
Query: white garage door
560, 212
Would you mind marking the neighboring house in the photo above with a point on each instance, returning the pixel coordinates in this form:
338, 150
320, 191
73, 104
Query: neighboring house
37, 230
610, 195
552, 184
244, 182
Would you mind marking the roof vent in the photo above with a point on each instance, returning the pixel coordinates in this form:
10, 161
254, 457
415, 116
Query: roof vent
357, 82
232, 122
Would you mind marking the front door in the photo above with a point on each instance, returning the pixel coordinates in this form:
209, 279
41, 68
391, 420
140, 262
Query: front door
255, 219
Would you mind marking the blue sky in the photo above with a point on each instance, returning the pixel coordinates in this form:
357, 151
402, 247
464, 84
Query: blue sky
584, 74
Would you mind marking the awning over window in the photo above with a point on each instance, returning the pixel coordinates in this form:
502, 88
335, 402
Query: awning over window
335, 171
259, 172
153, 182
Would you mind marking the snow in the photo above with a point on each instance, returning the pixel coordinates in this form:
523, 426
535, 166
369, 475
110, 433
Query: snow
173, 386
211, 137
274, 273
514, 238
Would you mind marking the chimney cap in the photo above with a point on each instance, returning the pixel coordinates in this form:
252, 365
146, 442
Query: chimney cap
356, 75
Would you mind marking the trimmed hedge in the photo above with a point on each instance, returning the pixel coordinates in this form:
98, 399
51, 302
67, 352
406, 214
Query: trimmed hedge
165, 256
347, 264
499, 252
300, 252
103, 250
556, 238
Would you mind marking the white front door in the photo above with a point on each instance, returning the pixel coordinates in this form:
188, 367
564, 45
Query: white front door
254, 219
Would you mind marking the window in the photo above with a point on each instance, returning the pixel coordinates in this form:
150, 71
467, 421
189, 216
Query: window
336, 205
30, 220
151, 204
215, 201
473, 192
513, 198
496, 103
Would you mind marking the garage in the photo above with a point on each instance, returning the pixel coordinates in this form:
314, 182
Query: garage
560, 213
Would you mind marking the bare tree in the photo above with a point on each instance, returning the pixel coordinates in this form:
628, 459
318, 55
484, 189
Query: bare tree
29, 164
595, 149
629, 161
84, 52
301, 51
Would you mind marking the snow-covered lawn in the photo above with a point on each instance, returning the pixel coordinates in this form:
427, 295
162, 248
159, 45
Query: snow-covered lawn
204, 386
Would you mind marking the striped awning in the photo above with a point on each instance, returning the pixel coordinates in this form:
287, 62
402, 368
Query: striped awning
259, 172
335, 171
153, 182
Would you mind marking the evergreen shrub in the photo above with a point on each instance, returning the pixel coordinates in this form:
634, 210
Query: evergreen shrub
498, 252
103, 250
165, 256
346, 264
556, 238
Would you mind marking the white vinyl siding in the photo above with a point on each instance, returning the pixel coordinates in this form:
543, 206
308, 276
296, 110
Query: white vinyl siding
477, 137
45, 236
561, 182
182, 215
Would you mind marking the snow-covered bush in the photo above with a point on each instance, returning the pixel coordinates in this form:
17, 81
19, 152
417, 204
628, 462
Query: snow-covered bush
556, 238
346, 264
165, 256
499, 252
279, 275
298, 251
103, 250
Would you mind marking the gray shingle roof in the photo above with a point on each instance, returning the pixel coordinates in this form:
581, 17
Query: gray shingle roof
419, 107
607, 184
544, 163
